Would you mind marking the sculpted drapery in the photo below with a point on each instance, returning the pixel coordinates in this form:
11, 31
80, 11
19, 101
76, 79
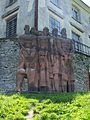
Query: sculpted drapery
46, 62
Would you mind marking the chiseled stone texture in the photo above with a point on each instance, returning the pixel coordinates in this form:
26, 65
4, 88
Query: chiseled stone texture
9, 55
81, 72
9, 59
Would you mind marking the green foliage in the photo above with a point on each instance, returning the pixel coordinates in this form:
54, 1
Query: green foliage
46, 106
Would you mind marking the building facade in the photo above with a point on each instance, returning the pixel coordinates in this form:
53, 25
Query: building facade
74, 15
14, 14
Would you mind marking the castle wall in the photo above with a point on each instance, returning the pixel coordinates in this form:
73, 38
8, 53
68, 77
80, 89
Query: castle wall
9, 59
81, 72
9, 55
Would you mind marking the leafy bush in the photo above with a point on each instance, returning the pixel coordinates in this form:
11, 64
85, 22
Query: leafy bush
46, 106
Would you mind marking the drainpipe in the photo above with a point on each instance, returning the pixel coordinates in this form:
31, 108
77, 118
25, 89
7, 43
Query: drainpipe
36, 15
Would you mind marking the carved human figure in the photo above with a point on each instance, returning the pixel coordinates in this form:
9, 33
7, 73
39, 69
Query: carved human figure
49, 74
31, 73
56, 72
42, 62
31, 66
55, 32
63, 33
21, 73
45, 31
26, 29
27, 66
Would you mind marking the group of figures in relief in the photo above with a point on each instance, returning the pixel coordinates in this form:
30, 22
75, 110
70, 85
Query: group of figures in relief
45, 61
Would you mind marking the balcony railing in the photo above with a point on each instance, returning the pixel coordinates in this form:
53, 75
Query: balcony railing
81, 48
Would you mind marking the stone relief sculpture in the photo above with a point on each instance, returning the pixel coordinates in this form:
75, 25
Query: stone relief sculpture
63, 33
20, 73
45, 61
43, 67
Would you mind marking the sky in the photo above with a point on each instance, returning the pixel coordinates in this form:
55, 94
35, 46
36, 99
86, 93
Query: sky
87, 2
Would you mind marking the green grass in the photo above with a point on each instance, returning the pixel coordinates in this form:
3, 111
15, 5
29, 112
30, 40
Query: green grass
46, 106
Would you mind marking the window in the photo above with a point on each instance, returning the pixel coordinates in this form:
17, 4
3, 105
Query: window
76, 14
11, 27
75, 36
89, 21
54, 24
56, 2
11, 2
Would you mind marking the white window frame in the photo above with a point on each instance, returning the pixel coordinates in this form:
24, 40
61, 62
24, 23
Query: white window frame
89, 21
56, 3
77, 47
76, 14
76, 36
9, 3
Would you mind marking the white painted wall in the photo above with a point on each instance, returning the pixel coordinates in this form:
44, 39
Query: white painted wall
25, 15
2, 22
64, 15
46, 9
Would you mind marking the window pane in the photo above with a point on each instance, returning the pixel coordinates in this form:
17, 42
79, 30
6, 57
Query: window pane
54, 24
11, 27
75, 36
11, 1
76, 14
56, 2
89, 21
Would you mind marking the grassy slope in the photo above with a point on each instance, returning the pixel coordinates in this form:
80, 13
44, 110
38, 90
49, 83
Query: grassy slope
46, 106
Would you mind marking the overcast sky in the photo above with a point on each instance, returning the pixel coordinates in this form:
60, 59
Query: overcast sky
87, 2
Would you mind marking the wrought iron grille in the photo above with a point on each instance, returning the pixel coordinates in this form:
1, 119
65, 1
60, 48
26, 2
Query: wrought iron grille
81, 48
